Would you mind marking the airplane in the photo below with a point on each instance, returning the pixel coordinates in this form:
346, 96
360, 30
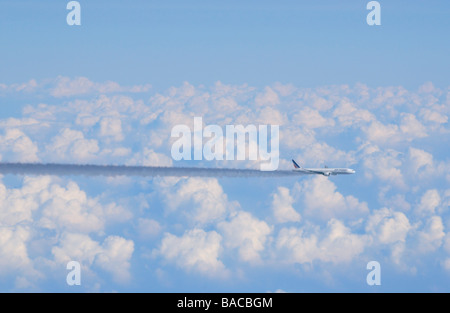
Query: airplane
323, 171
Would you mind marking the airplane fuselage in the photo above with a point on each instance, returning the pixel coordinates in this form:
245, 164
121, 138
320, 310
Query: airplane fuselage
326, 171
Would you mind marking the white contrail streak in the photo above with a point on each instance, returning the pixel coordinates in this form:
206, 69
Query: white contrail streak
123, 170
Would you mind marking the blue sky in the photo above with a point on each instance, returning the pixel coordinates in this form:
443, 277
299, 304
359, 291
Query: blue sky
256, 42
345, 94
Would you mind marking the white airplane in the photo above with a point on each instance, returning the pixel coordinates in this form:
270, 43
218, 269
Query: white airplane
324, 171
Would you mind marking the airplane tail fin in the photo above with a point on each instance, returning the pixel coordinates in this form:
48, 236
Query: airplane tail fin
296, 165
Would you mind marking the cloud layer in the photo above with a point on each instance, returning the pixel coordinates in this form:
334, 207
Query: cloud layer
225, 232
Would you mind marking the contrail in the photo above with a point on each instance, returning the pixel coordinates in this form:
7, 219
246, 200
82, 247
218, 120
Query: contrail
144, 171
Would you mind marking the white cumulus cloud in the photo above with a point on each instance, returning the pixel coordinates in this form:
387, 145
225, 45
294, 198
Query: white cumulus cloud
196, 251
282, 206
336, 244
247, 234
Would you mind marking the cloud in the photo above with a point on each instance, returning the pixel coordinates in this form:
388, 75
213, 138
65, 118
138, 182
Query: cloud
384, 165
70, 209
268, 116
397, 201
202, 200
64, 86
28, 213
420, 159
431, 237
28, 87
321, 103
319, 152
411, 127
67, 87
295, 138
322, 201
13, 251
428, 203
408, 130
52, 206
149, 157
17, 205
268, 97
113, 255
380, 133
214, 227
394, 230
72, 144
247, 234
148, 228
111, 127
348, 115
282, 206
16, 145
310, 118
335, 245
388, 227
427, 87
197, 251
21, 123
76, 247
432, 116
